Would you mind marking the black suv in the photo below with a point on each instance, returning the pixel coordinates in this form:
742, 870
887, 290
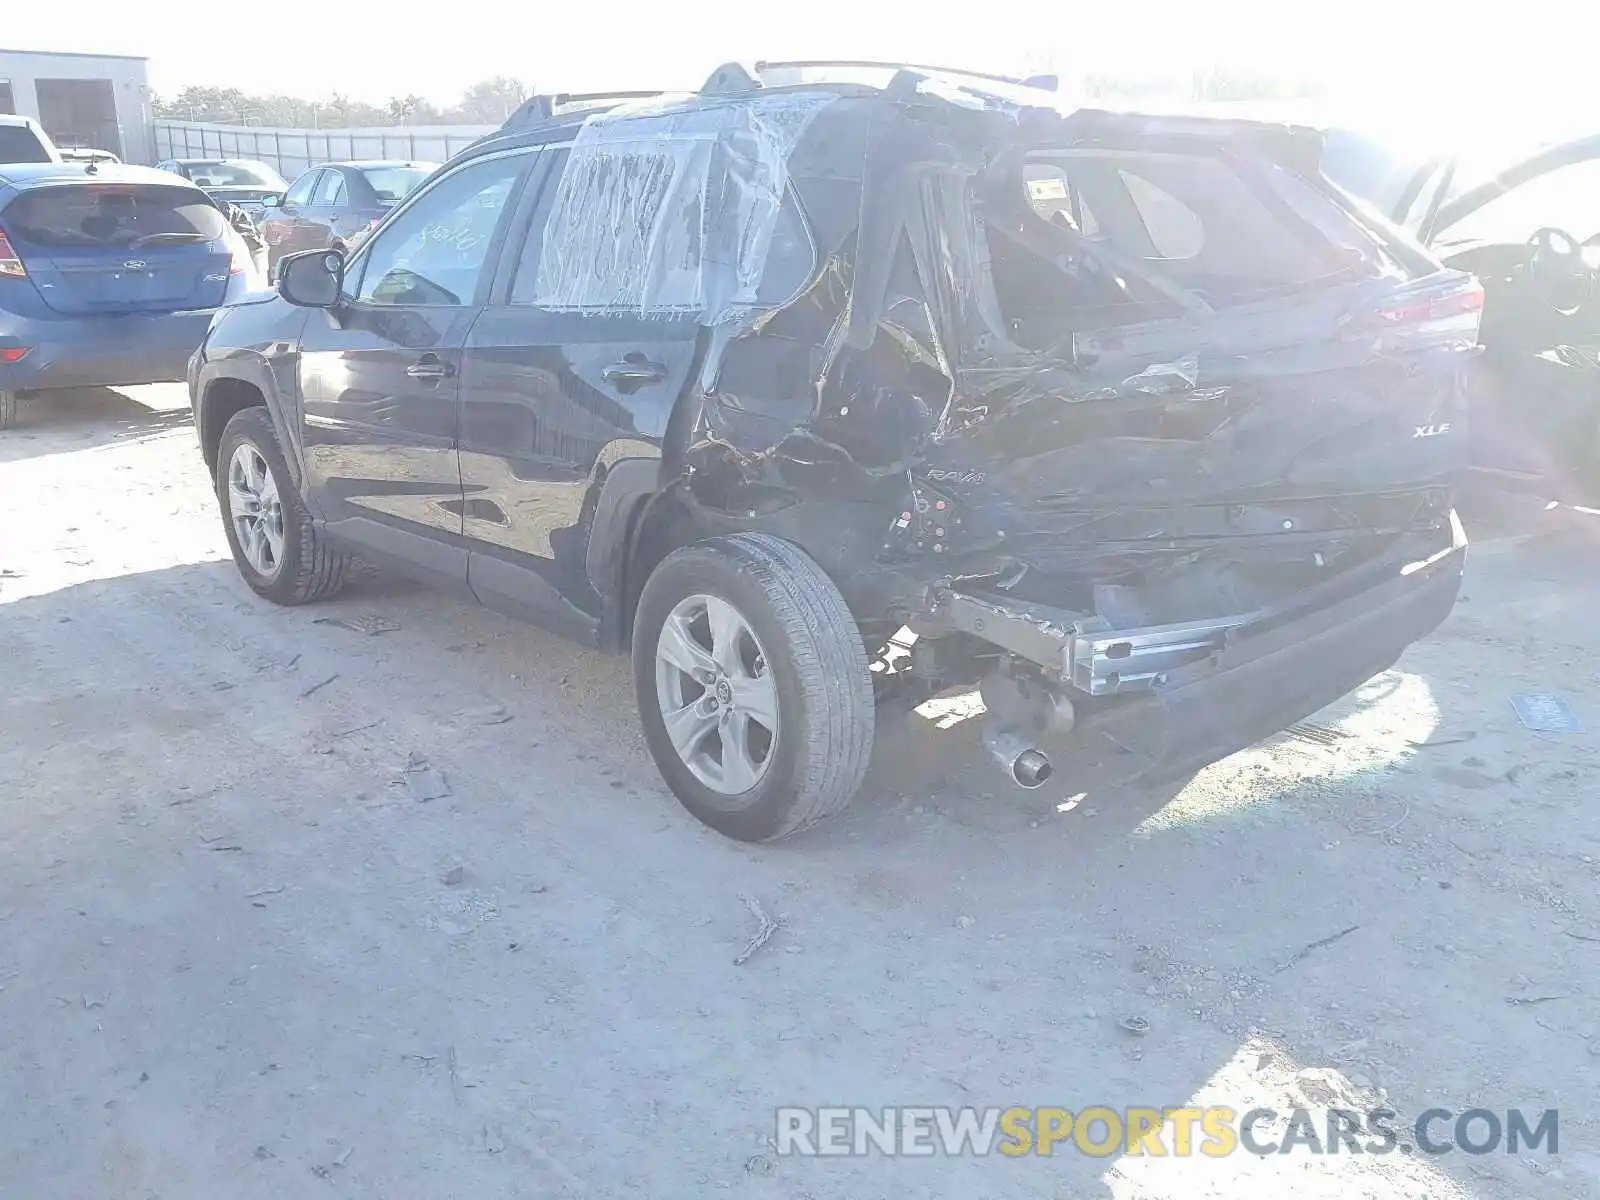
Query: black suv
822, 393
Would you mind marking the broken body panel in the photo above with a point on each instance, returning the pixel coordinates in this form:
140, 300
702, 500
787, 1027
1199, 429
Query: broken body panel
1110, 463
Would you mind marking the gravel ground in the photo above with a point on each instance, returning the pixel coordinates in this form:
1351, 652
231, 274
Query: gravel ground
241, 955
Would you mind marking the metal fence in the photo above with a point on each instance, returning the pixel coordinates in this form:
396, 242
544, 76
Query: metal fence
292, 151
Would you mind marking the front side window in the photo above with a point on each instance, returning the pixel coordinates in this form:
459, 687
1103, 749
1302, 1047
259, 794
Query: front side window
300, 193
434, 252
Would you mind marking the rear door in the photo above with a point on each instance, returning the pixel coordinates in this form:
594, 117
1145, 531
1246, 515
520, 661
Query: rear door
380, 374
551, 399
94, 248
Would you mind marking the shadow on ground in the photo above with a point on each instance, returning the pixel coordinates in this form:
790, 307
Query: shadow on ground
88, 416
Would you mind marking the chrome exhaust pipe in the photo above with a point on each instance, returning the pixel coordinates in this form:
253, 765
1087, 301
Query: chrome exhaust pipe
1025, 764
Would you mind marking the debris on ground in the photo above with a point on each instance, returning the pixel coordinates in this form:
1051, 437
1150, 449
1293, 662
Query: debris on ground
1305, 951
1429, 743
1137, 1026
1316, 735
1546, 712
368, 623
453, 876
763, 935
317, 687
488, 714
422, 780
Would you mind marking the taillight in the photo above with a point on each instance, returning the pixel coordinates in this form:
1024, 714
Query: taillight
10, 263
11, 354
1434, 318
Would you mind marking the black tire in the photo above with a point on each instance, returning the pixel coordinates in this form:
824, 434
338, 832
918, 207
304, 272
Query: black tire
818, 664
310, 569
8, 409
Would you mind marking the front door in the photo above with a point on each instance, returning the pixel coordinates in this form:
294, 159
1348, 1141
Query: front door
551, 400
280, 226
381, 373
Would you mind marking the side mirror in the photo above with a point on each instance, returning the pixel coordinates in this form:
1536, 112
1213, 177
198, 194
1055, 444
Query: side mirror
312, 279
272, 200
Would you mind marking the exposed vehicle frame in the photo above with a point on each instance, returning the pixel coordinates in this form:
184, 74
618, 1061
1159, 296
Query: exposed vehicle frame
1172, 532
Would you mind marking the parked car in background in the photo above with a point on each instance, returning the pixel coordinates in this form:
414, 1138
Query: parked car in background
242, 181
22, 140
343, 201
109, 275
86, 154
1131, 421
1527, 223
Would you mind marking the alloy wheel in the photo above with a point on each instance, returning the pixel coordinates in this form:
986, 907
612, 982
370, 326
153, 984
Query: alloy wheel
255, 509
718, 699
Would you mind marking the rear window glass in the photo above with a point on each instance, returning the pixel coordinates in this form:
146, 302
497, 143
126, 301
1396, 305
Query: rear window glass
19, 144
1212, 226
112, 215
232, 174
394, 183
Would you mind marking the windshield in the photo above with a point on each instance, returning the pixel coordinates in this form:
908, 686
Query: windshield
393, 183
1566, 198
234, 173
104, 215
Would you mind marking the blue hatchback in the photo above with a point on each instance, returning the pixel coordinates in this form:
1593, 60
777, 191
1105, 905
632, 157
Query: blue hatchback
109, 275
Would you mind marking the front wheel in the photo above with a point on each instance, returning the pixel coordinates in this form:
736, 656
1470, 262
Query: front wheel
275, 544
753, 686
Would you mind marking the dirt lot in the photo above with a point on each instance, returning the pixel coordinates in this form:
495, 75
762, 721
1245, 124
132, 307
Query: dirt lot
237, 959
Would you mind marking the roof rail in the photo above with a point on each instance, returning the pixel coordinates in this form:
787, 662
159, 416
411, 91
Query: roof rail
536, 110
1041, 81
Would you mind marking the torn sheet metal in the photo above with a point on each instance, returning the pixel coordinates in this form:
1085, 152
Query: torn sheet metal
667, 209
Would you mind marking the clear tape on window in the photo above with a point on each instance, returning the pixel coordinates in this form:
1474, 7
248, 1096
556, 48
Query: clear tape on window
666, 208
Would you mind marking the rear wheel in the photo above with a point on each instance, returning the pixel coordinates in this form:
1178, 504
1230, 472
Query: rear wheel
753, 686
8, 409
275, 544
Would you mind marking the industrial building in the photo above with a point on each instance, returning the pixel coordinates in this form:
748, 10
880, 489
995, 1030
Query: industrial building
98, 100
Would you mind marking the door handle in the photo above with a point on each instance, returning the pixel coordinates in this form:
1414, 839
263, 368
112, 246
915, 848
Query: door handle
430, 366
633, 372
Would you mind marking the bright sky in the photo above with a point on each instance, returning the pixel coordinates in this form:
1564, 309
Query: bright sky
1433, 55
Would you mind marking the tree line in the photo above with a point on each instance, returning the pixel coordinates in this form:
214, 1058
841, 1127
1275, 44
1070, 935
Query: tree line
491, 101
488, 102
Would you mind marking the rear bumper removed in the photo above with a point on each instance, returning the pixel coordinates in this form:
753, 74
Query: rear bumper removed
1183, 696
68, 352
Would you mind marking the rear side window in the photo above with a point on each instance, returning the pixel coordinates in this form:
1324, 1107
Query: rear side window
112, 215
19, 144
229, 174
790, 255
394, 183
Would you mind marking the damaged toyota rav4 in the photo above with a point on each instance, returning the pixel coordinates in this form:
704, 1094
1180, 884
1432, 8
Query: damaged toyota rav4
812, 394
